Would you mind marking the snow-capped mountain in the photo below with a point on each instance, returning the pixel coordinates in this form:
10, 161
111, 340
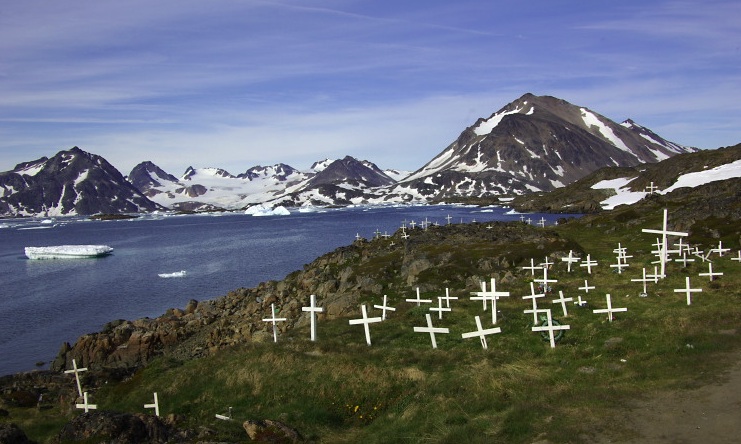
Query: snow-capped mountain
342, 182
328, 182
73, 182
532, 144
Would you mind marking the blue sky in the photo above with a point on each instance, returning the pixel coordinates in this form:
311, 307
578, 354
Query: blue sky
239, 83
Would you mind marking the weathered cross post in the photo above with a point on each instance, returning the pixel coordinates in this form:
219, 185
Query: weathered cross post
274, 320
688, 290
570, 259
550, 328
312, 309
366, 321
155, 405
609, 310
419, 299
384, 307
664, 232
85, 404
481, 332
431, 330
562, 300
77, 371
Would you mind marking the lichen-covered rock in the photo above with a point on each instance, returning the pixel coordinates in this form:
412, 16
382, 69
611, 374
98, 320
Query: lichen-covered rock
270, 431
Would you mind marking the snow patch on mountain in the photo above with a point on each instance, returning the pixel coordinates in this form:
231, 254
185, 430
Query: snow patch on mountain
590, 119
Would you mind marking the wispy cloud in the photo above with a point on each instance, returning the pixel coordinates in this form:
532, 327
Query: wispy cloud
232, 83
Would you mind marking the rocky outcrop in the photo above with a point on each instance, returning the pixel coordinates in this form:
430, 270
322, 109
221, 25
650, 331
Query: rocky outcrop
269, 431
340, 279
116, 428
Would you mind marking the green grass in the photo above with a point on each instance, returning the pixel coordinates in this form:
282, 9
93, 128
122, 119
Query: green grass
519, 390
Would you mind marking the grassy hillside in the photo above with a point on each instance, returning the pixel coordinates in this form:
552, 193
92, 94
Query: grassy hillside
400, 389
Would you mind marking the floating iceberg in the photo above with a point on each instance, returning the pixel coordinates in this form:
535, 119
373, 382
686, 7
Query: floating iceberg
68, 251
260, 210
177, 274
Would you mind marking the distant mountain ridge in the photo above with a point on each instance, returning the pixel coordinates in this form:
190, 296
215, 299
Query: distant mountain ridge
71, 182
533, 144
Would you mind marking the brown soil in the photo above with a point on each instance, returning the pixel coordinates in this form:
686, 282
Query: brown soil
709, 414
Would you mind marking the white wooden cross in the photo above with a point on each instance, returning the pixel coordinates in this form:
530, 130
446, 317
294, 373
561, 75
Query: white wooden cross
562, 300
440, 309
77, 371
274, 320
656, 276
412, 224
532, 267
449, 217
312, 309
85, 405
609, 310
620, 265
684, 259
448, 297
404, 234
570, 259
737, 258
357, 236
720, 250
587, 287
550, 328
644, 280
227, 417
664, 232
710, 272
419, 299
384, 307
541, 222
529, 221
589, 263
431, 330
481, 333
688, 290
155, 405
366, 321
580, 302
651, 189
545, 281
386, 235
534, 298
491, 295
547, 263
377, 233
522, 218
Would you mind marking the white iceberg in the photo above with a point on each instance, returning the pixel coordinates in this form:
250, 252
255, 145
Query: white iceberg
68, 251
176, 274
261, 210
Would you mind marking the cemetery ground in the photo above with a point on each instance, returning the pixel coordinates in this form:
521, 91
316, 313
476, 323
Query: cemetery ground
603, 382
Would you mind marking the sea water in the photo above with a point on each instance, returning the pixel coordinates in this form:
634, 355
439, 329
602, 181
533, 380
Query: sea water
44, 303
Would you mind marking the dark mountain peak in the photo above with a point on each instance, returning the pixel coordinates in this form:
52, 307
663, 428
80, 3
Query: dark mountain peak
73, 181
189, 172
279, 171
147, 175
350, 170
33, 164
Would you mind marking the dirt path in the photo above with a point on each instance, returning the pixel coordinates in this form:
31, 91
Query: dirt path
709, 414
